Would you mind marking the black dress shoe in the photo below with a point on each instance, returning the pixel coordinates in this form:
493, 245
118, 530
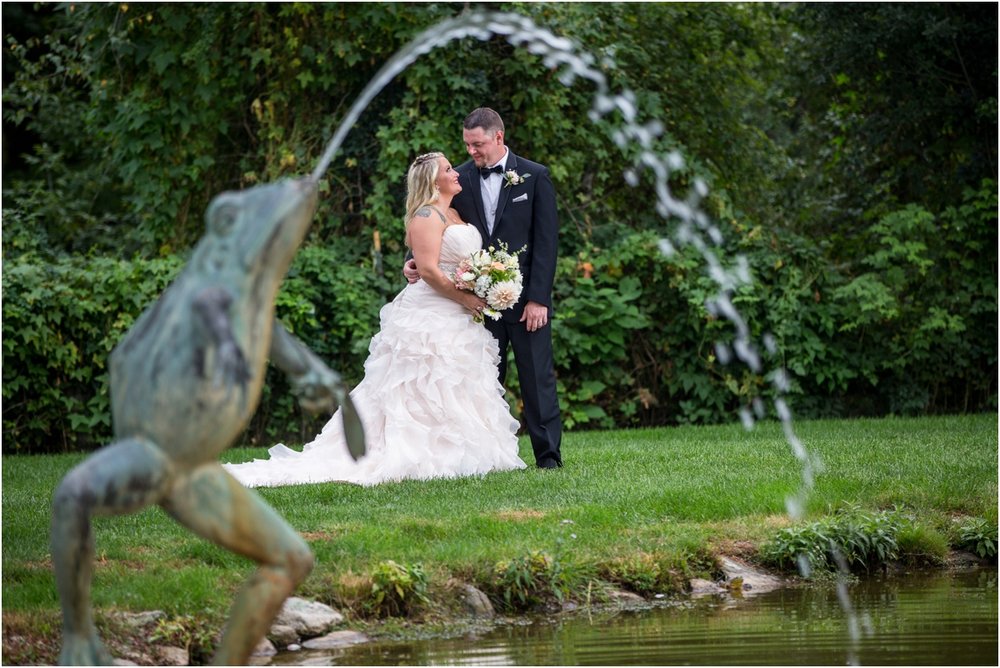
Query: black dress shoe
549, 463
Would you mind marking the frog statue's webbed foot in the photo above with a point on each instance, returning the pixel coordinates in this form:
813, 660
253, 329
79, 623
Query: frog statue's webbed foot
318, 387
80, 650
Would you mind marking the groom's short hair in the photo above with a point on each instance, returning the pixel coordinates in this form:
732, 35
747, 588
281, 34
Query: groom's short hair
484, 118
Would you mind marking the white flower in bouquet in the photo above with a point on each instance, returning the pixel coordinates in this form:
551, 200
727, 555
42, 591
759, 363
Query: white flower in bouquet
504, 294
483, 284
493, 274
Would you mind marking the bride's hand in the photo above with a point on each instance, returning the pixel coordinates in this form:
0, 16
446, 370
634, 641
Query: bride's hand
474, 303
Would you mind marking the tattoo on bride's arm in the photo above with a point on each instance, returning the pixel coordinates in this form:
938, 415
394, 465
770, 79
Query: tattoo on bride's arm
423, 211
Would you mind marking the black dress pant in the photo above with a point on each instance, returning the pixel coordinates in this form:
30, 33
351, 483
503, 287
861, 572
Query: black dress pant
537, 376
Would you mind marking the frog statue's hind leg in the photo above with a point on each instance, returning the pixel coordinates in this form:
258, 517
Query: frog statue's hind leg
213, 504
123, 477
131, 474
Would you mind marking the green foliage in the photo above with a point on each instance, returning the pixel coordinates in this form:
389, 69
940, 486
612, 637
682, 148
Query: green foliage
396, 589
62, 318
60, 323
192, 633
858, 539
530, 580
921, 545
979, 536
903, 99
644, 574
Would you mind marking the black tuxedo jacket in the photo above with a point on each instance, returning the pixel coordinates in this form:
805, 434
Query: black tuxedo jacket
526, 216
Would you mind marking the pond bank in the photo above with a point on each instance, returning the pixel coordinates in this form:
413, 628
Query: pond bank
933, 617
150, 638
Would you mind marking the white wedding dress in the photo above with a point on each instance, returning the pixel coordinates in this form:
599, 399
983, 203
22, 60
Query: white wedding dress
430, 400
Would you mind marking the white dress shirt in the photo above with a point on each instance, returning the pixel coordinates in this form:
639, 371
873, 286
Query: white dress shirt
491, 191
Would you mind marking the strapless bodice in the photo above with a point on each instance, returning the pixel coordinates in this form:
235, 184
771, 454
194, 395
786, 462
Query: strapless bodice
457, 244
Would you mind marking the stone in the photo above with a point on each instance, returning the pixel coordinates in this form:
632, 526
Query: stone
264, 648
958, 559
700, 587
621, 596
173, 656
336, 639
282, 635
307, 618
476, 602
753, 580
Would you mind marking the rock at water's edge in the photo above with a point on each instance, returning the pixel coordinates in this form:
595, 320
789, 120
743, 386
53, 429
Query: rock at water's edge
307, 618
336, 639
754, 581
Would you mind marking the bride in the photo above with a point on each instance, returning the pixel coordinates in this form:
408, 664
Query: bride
430, 400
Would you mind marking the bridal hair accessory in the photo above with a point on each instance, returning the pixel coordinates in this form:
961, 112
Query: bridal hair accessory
512, 178
493, 274
426, 157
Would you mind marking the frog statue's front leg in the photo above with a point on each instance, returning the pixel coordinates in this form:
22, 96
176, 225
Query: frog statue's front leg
319, 387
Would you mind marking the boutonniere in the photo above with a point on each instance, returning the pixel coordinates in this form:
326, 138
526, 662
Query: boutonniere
512, 178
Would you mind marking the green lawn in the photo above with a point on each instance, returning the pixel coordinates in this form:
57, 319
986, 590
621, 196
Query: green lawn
672, 492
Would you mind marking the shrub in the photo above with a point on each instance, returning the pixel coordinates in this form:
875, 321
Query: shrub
979, 536
533, 580
643, 573
854, 538
194, 634
63, 317
396, 589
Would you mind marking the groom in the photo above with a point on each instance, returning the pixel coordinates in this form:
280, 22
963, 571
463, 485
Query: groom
512, 200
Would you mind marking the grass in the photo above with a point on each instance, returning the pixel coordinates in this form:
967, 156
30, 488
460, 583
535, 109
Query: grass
668, 495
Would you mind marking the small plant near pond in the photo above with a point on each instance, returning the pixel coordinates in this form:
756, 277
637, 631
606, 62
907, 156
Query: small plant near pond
863, 540
197, 635
980, 537
921, 545
396, 589
643, 573
532, 580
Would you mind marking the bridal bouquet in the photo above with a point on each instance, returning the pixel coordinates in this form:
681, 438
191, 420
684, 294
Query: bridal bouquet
494, 275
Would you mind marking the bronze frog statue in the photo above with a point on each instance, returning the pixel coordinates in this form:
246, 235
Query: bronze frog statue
185, 380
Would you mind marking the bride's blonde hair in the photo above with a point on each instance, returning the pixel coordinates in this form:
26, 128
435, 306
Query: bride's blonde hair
420, 182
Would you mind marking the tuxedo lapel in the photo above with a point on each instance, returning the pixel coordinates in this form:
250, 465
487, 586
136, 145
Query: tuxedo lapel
504, 196
470, 183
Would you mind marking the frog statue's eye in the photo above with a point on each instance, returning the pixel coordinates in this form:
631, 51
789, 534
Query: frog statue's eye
222, 217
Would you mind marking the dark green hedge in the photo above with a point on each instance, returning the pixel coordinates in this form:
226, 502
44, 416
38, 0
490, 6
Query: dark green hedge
635, 345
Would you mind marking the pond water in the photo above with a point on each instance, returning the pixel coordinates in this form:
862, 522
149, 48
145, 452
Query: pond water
925, 619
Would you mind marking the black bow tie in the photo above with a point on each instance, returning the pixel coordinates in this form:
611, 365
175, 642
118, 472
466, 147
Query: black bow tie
486, 171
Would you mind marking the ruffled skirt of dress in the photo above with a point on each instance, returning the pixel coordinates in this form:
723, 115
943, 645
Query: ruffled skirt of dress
430, 403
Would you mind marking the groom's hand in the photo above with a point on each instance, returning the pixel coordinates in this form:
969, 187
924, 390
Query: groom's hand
410, 271
535, 316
